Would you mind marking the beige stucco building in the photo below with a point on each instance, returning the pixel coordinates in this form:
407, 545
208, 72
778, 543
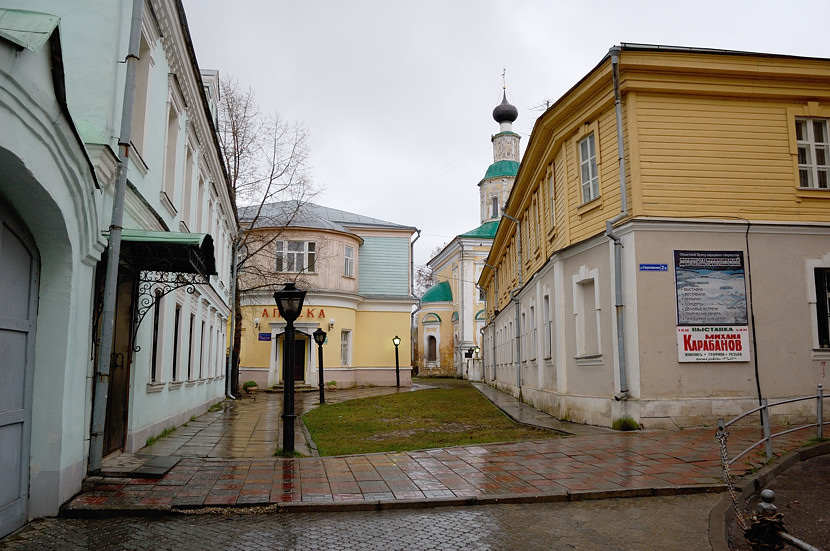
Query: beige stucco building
671, 256
356, 271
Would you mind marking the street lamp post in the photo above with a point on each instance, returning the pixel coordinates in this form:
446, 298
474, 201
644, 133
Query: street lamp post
290, 303
397, 340
320, 338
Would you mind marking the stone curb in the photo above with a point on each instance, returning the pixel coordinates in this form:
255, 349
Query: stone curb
386, 505
749, 485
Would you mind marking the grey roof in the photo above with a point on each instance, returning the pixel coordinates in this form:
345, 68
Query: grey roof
309, 215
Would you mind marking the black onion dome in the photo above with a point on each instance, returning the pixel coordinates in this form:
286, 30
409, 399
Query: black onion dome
505, 112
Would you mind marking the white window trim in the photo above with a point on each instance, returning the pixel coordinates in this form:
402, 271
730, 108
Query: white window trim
811, 145
818, 354
282, 254
581, 318
593, 169
348, 268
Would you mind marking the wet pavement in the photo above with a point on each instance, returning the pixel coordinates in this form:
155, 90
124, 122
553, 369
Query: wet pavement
552, 494
669, 523
227, 460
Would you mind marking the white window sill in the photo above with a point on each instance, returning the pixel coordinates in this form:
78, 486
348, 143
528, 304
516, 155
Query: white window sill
155, 387
176, 385
589, 359
821, 354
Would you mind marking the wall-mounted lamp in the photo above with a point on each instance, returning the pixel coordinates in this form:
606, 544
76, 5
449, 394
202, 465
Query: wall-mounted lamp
256, 323
331, 324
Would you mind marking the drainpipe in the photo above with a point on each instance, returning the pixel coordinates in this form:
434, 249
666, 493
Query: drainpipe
461, 315
413, 322
515, 300
229, 364
102, 371
609, 229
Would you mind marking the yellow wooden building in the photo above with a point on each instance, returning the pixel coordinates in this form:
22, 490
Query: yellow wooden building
670, 257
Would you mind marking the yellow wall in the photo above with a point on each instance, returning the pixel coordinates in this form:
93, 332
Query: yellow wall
704, 136
373, 345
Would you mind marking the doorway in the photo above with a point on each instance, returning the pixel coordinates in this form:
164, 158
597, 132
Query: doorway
299, 359
19, 283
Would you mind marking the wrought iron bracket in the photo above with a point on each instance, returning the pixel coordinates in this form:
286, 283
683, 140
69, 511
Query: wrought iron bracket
153, 285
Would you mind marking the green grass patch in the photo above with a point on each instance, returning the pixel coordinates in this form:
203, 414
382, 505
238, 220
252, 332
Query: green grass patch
433, 418
625, 423
216, 407
153, 439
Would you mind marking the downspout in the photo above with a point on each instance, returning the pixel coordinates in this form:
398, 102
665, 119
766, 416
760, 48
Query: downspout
102, 371
412, 322
495, 308
515, 301
229, 364
461, 315
609, 228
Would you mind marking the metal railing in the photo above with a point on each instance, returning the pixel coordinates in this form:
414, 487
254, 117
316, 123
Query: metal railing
764, 408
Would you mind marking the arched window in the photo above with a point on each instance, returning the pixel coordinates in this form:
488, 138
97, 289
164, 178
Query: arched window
432, 352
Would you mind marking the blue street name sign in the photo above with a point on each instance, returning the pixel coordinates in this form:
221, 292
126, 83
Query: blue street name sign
654, 267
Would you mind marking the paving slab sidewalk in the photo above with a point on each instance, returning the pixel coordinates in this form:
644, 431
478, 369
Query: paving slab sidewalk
595, 463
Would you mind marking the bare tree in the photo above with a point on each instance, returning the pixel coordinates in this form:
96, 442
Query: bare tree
424, 276
267, 160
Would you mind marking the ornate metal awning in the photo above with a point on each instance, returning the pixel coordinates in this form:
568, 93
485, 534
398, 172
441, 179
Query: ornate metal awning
165, 261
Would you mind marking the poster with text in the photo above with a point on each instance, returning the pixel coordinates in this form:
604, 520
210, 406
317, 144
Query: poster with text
713, 344
710, 288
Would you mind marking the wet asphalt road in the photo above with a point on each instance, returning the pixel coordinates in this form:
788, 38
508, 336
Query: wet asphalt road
655, 523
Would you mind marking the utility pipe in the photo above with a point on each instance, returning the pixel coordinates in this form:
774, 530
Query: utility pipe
102, 371
412, 321
229, 364
609, 229
515, 299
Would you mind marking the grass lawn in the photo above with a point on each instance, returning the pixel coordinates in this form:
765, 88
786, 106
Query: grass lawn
432, 418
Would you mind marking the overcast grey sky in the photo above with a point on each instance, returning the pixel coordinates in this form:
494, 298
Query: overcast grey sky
398, 96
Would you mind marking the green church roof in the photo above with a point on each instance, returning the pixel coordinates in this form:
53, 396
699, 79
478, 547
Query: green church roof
440, 292
486, 230
502, 168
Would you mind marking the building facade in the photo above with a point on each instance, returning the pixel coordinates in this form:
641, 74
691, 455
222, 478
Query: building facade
356, 271
451, 313
62, 90
671, 253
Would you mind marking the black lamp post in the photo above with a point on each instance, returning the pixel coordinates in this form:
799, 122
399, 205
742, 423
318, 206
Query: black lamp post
290, 303
397, 340
320, 338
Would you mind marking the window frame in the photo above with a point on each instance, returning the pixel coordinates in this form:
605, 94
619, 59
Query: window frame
809, 166
592, 164
308, 254
348, 267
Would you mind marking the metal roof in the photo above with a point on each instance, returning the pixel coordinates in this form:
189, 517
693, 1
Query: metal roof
27, 29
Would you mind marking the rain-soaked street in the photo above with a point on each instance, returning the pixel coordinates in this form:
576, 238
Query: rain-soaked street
667, 523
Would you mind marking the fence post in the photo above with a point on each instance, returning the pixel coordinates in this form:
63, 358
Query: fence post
767, 429
820, 412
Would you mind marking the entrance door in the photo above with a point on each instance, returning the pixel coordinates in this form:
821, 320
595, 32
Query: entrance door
299, 359
115, 426
19, 275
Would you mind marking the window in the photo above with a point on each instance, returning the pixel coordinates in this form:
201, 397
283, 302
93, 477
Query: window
494, 207
154, 361
532, 332
822, 276
176, 327
552, 202
587, 334
296, 256
523, 337
190, 347
142, 87
432, 349
348, 270
345, 348
813, 153
547, 326
588, 169
481, 295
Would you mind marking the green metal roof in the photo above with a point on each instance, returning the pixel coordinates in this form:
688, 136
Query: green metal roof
168, 251
486, 230
502, 168
440, 292
27, 29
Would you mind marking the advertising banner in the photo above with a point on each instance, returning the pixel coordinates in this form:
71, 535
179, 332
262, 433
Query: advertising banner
711, 306
713, 344
710, 288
